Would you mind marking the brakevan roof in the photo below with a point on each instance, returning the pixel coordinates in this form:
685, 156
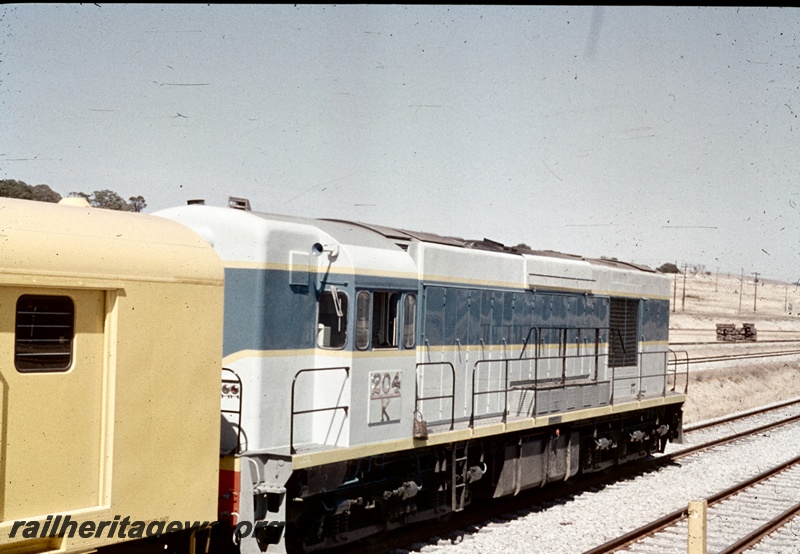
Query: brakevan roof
41, 240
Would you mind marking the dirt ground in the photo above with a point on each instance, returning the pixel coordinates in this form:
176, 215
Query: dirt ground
708, 299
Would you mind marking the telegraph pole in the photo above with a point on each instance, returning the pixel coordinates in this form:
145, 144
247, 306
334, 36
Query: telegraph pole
683, 298
741, 286
755, 295
674, 293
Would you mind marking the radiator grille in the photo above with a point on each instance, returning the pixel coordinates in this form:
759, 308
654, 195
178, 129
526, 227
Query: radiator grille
624, 329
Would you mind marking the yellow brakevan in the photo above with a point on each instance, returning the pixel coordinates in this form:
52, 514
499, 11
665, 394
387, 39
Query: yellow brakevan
110, 349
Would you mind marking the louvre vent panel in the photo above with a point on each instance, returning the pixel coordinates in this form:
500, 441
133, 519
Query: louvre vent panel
624, 313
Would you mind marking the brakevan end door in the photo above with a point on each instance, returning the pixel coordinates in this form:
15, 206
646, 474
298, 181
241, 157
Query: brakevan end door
51, 387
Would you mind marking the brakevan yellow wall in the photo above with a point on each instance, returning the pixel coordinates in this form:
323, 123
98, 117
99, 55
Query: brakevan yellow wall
132, 428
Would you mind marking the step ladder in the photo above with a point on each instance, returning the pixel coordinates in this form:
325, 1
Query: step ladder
458, 476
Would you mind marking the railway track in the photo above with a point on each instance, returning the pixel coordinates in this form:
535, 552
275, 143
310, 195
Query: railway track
773, 408
742, 515
693, 360
733, 343
738, 517
706, 435
763, 334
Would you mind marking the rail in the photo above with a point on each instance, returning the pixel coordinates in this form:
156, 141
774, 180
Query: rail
671, 519
346, 409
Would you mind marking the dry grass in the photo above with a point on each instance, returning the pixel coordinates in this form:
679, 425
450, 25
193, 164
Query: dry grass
717, 393
712, 299
719, 298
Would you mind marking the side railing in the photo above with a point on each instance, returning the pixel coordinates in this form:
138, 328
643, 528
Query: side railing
576, 346
532, 385
662, 363
418, 400
295, 412
676, 363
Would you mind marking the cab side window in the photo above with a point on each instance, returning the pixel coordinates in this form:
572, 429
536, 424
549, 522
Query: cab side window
44, 332
409, 320
332, 320
362, 320
384, 319
378, 322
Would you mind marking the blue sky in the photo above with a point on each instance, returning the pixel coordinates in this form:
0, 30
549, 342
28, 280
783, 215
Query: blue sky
650, 134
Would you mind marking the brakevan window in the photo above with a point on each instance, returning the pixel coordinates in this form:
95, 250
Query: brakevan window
624, 314
332, 321
45, 328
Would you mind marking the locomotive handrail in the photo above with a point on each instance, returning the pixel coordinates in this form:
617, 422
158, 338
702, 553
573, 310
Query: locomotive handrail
535, 382
674, 363
346, 369
612, 365
563, 345
563, 335
451, 396
539, 329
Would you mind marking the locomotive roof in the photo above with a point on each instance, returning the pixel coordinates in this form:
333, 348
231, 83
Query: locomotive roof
395, 234
381, 236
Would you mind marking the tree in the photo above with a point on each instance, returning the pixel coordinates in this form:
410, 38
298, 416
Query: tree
668, 267
44, 193
10, 188
110, 200
137, 203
